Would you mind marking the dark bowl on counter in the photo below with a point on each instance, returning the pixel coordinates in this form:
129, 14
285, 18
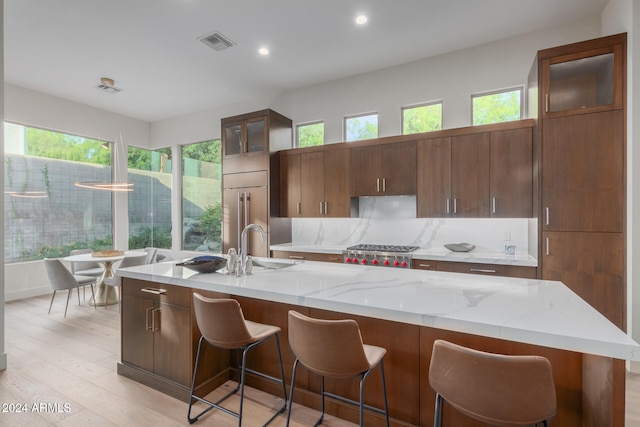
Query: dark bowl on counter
204, 264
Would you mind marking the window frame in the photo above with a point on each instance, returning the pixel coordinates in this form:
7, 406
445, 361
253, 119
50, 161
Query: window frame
519, 88
423, 104
299, 125
355, 116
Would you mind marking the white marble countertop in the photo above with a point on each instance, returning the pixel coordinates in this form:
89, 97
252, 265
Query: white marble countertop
544, 313
441, 254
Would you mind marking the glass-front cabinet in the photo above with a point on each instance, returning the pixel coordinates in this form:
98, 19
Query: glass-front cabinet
584, 82
247, 136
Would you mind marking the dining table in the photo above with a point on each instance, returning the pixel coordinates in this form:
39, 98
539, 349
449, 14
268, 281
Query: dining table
104, 295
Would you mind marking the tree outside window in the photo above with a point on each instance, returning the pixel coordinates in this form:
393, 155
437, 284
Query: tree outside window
422, 118
361, 127
497, 107
311, 134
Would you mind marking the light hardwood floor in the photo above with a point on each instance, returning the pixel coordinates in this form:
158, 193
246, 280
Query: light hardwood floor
63, 372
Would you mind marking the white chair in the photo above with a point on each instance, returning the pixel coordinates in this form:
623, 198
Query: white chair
115, 281
60, 278
151, 254
85, 268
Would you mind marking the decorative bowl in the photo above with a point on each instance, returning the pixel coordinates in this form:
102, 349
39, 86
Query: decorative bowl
204, 264
460, 247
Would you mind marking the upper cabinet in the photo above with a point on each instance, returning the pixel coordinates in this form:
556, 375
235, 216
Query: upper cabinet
248, 139
384, 170
587, 81
315, 184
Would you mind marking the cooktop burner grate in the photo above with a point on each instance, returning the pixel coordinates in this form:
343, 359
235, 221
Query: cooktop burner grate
382, 248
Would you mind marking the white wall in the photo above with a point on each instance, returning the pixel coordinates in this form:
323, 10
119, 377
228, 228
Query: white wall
3, 353
621, 16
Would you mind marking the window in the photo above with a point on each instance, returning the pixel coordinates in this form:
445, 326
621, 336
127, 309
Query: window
496, 107
422, 118
361, 127
45, 214
202, 197
310, 134
150, 201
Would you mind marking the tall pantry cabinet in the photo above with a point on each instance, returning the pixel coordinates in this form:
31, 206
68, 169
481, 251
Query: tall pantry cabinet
251, 179
581, 155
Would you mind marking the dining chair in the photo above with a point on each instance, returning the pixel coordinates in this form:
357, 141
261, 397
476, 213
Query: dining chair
334, 348
222, 325
115, 281
60, 278
496, 389
85, 268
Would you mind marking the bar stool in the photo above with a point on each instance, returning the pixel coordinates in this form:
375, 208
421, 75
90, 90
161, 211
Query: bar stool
334, 348
223, 325
496, 389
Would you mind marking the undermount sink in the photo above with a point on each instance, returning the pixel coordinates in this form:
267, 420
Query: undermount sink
273, 263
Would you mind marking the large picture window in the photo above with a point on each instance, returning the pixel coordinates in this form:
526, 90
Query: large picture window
150, 201
202, 197
45, 214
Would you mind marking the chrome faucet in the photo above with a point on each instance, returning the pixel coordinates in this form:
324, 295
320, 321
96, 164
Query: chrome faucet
243, 244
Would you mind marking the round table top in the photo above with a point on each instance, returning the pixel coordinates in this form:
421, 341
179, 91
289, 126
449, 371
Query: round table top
90, 257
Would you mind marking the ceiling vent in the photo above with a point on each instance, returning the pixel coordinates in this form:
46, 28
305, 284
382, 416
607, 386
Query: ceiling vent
107, 85
216, 41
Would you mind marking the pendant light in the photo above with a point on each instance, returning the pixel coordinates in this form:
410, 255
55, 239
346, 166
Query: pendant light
108, 85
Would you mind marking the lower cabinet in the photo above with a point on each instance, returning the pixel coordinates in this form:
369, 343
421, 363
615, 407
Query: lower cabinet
307, 256
476, 268
159, 338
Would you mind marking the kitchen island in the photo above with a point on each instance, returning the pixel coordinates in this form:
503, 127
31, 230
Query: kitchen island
403, 311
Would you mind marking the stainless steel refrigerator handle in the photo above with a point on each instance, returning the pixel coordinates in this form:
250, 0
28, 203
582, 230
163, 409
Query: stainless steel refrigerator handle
239, 219
247, 199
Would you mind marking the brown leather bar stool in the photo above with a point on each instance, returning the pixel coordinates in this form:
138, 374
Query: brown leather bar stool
222, 324
334, 348
497, 389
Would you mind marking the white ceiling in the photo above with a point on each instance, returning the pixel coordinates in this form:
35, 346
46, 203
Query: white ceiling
151, 48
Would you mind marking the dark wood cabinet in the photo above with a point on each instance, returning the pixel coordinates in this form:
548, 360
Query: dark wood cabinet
511, 174
453, 176
156, 330
315, 184
248, 139
307, 256
582, 170
384, 170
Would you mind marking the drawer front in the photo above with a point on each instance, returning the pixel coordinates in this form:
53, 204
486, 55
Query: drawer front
488, 269
424, 264
168, 294
307, 256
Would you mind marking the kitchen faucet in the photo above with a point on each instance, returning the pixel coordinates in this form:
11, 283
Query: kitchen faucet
243, 244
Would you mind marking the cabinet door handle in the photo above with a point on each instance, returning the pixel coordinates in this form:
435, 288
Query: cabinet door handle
384, 185
493, 205
326, 208
448, 208
298, 208
546, 102
239, 217
155, 291
546, 241
546, 211
153, 320
378, 185
321, 208
147, 326
482, 270
455, 206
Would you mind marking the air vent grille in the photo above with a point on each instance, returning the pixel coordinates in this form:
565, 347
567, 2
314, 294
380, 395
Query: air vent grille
217, 41
107, 85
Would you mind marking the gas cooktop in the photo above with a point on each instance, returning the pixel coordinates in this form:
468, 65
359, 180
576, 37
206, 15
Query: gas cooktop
382, 248
379, 255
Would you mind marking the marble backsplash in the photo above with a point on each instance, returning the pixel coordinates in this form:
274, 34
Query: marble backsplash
392, 220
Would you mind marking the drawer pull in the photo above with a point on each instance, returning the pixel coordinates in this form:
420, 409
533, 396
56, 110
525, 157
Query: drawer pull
154, 291
482, 270
296, 257
424, 265
334, 259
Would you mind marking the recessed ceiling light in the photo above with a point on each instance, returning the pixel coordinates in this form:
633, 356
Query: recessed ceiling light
361, 20
263, 51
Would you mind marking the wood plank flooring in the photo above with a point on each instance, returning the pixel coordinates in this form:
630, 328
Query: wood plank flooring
62, 372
